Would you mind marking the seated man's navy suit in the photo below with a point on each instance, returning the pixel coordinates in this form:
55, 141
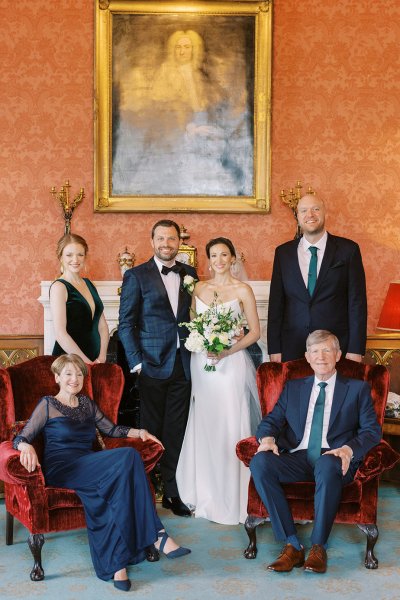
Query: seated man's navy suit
352, 423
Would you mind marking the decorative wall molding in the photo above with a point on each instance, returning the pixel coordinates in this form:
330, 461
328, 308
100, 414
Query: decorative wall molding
18, 348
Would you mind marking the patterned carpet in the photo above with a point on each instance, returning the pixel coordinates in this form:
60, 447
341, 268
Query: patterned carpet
216, 569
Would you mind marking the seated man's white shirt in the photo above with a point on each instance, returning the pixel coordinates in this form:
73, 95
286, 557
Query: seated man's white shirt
329, 390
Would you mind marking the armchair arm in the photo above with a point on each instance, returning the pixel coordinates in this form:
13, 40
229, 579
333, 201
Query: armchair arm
379, 459
246, 449
11, 470
150, 451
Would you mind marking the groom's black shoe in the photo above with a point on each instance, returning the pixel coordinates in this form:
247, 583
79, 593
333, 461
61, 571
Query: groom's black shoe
176, 505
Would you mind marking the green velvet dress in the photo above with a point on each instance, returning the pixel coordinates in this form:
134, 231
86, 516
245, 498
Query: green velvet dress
81, 326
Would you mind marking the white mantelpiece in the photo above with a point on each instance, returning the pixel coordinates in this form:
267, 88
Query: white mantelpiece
108, 292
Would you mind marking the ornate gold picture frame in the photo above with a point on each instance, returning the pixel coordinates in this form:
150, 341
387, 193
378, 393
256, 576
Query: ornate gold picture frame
183, 106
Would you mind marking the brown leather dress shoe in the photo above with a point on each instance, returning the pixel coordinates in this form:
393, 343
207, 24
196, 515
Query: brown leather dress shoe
316, 560
288, 558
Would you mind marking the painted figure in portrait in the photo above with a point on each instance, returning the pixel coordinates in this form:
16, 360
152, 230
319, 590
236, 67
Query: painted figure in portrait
183, 107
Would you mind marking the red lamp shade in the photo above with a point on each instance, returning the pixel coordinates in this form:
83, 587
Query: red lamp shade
390, 314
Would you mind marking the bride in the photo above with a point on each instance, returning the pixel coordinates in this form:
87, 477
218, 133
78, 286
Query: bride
224, 405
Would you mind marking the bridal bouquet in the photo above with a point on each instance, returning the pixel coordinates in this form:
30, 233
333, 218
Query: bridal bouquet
213, 331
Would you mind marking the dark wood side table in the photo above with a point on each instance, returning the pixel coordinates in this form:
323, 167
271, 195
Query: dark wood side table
391, 426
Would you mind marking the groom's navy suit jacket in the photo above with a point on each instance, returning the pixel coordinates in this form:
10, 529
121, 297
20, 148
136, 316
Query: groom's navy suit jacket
338, 304
352, 422
148, 327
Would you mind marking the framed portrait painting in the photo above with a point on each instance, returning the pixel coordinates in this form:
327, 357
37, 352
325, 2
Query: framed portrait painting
183, 106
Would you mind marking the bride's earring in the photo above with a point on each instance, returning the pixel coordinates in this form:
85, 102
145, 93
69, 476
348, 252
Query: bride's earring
61, 268
209, 267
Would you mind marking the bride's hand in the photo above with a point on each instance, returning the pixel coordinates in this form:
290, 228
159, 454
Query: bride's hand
237, 338
217, 357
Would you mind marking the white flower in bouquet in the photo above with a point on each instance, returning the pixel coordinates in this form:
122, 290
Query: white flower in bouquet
195, 342
224, 338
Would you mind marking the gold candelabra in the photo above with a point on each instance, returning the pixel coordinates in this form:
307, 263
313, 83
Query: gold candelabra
68, 206
291, 199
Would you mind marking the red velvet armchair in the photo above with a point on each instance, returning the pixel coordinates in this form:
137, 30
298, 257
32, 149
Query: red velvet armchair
44, 509
359, 501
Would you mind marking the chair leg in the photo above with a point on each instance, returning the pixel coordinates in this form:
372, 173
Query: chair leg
35, 543
9, 529
250, 527
371, 530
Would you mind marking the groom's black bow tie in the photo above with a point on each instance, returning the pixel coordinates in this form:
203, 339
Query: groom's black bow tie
175, 269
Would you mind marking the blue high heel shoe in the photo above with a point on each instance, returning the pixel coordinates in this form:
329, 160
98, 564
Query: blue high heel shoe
181, 551
124, 585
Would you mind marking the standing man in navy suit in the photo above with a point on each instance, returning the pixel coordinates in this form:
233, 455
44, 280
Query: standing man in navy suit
333, 296
319, 430
153, 303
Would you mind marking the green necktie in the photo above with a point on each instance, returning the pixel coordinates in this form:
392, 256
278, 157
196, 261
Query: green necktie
312, 270
315, 441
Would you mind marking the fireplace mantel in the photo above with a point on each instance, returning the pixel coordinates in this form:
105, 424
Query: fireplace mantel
108, 292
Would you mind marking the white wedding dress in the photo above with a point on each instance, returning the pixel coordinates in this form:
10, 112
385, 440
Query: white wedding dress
224, 409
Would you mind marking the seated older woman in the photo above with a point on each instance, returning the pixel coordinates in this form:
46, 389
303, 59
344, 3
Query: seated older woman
121, 519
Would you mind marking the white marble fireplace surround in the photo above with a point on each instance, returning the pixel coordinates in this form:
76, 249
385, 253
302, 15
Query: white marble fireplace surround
108, 291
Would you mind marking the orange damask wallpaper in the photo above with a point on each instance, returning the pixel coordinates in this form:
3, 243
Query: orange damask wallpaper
336, 125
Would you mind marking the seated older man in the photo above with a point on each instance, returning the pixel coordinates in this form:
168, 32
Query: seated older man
319, 430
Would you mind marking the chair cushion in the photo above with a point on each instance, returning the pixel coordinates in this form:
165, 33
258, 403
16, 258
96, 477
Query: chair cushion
61, 498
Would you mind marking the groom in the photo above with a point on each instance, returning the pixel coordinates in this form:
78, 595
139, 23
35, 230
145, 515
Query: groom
153, 303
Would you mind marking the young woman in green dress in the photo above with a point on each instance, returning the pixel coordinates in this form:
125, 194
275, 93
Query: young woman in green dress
77, 310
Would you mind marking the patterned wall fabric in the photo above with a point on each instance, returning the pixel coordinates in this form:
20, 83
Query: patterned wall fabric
336, 125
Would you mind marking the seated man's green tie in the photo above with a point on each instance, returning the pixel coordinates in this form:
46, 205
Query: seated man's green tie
315, 441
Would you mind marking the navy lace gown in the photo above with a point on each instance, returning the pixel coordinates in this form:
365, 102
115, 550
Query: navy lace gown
112, 484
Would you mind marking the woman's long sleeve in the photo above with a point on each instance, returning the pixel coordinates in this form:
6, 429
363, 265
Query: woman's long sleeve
34, 425
108, 427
